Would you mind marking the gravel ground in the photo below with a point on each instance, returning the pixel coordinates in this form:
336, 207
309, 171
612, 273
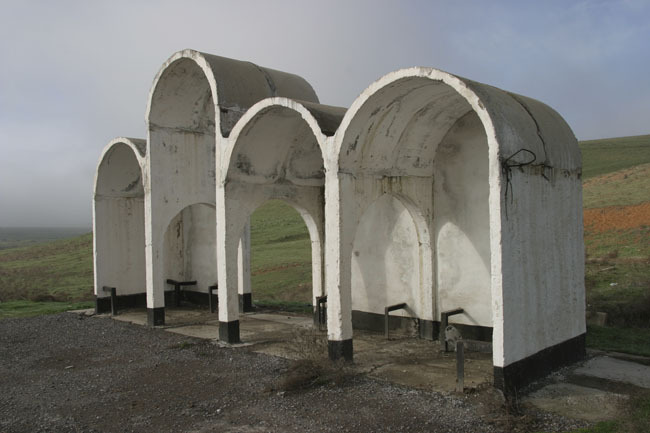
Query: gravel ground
68, 372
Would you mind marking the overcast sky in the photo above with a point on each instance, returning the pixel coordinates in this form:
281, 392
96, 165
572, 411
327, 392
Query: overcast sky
75, 74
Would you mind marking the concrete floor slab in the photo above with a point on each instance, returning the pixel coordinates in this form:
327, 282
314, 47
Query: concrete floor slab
204, 331
605, 367
402, 359
576, 401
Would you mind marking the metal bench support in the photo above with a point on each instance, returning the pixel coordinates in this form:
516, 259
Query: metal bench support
387, 310
177, 289
444, 322
212, 304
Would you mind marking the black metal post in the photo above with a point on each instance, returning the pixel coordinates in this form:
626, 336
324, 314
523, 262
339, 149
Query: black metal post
113, 291
460, 366
212, 304
177, 289
320, 311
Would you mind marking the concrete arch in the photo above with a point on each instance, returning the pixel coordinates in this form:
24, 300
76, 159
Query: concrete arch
118, 222
390, 139
508, 119
284, 120
275, 151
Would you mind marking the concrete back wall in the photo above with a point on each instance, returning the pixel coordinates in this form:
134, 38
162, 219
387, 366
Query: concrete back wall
461, 223
189, 247
386, 261
118, 219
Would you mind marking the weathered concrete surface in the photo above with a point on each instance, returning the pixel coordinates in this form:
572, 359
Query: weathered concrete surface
578, 402
605, 367
118, 218
469, 185
592, 391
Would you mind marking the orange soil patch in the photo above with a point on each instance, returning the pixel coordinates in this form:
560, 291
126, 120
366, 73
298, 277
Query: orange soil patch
617, 217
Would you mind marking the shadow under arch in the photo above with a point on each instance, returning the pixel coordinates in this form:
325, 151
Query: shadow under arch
118, 224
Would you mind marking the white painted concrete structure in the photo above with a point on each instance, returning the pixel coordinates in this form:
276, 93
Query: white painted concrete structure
431, 190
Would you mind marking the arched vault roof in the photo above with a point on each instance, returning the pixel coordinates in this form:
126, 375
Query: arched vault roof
233, 86
137, 145
394, 126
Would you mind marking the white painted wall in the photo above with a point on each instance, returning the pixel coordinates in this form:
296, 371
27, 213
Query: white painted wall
461, 223
118, 221
190, 247
184, 176
386, 261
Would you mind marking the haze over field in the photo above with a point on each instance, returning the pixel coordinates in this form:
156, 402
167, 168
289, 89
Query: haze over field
76, 74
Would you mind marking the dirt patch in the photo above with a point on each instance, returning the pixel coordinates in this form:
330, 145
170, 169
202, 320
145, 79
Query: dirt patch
617, 217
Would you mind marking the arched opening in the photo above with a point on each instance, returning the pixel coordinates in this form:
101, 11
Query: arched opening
118, 226
190, 251
276, 153
419, 139
282, 265
182, 144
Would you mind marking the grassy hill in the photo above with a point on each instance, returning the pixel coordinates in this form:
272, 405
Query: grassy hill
57, 275
617, 237
613, 154
616, 200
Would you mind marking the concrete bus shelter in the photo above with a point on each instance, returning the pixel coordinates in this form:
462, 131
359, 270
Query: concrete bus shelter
432, 194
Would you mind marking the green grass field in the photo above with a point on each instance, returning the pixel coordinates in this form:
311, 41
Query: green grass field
616, 172
54, 271
280, 255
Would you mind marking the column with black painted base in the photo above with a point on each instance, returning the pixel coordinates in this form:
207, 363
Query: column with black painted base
229, 228
244, 271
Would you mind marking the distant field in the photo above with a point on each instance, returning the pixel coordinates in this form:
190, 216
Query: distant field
14, 237
613, 154
54, 271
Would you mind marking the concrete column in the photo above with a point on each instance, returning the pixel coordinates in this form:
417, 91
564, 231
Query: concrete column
337, 270
154, 243
244, 270
228, 239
